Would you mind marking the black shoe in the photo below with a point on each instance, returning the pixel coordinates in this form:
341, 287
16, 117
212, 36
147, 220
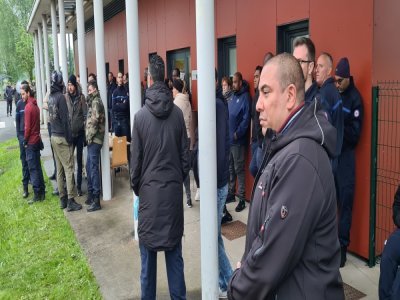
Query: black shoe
79, 192
72, 205
226, 218
36, 198
89, 199
230, 198
63, 202
343, 258
42, 196
95, 205
25, 194
241, 205
189, 203
53, 177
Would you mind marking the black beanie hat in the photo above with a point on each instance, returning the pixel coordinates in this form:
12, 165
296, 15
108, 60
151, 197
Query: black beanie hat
343, 68
72, 80
178, 85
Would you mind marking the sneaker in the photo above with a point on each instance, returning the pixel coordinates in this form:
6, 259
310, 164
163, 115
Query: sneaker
197, 197
343, 258
63, 202
230, 198
25, 194
72, 205
223, 294
189, 203
36, 198
241, 205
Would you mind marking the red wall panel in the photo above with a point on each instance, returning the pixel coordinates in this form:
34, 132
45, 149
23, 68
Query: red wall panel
289, 10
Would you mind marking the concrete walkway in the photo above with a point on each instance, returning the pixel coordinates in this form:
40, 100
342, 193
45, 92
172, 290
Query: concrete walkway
106, 238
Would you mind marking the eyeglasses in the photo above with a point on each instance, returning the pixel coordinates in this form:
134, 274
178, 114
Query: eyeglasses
339, 80
304, 61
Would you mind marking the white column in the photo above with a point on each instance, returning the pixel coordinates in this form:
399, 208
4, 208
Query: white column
46, 60
42, 77
37, 68
54, 34
63, 46
80, 24
205, 39
132, 31
101, 81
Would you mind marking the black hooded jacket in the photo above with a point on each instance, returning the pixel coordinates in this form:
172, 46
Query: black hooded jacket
159, 164
59, 114
292, 248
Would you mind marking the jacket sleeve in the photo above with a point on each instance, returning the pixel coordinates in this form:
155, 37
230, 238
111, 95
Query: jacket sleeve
352, 131
185, 156
94, 122
244, 123
28, 120
84, 107
18, 116
136, 157
278, 248
338, 122
396, 208
65, 118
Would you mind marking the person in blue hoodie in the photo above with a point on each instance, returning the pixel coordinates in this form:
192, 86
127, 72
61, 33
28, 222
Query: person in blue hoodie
239, 120
121, 110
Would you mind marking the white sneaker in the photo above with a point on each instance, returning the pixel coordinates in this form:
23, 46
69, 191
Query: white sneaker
223, 294
197, 197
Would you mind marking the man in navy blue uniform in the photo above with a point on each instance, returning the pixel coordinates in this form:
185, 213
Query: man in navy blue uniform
120, 109
330, 100
345, 175
239, 120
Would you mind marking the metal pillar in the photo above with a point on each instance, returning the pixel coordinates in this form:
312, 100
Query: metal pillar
42, 78
101, 81
37, 68
54, 34
46, 59
80, 24
205, 39
132, 30
63, 46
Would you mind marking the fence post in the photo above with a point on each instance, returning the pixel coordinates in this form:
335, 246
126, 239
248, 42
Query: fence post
374, 145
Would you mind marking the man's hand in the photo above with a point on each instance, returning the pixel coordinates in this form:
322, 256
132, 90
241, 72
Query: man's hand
238, 265
25, 144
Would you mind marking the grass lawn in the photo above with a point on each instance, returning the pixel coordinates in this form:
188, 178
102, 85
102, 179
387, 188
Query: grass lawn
40, 257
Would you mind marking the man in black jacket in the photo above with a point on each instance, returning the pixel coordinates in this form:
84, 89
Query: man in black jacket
389, 280
120, 109
159, 165
292, 249
111, 86
345, 174
61, 140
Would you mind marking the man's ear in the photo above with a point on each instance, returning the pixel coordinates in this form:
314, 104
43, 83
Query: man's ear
291, 96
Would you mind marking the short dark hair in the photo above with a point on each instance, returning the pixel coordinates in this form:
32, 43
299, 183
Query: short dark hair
289, 72
127, 75
157, 68
92, 75
178, 72
300, 41
110, 73
93, 83
258, 68
178, 85
227, 80
25, 82
238, 75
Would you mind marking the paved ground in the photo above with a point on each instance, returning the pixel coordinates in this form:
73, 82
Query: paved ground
105, 236
7, 124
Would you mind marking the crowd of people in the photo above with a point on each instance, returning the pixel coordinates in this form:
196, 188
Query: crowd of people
302, 126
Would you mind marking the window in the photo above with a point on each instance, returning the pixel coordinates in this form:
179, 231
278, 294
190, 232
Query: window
286, 34
179, 59
107, 69
121, 67
227, 65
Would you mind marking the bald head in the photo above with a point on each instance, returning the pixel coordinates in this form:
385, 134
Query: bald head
289, 72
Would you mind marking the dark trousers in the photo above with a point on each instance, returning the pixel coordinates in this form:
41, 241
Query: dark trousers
389, 279
9, 107
52, 151
148, 275
92, 169
253, 163
195, 167
22, 156
121, 127
35, 168
77, 143
345, 183
236, 170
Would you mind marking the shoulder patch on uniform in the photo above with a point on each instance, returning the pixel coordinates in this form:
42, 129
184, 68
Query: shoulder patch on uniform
356, 113
284, 212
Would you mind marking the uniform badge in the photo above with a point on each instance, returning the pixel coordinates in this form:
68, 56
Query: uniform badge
356, 113
284, 212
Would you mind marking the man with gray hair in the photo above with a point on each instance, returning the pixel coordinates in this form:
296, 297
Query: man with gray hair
159, 165
292, 249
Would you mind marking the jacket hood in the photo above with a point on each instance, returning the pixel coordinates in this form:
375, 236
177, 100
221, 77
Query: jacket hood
243, 89
32, 100
56, 88
310, 122
90, 97
159, 100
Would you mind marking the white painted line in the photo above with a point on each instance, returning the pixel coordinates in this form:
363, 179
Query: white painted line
2, 124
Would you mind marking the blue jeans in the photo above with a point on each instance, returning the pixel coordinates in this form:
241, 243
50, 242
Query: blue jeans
148, 275
92, 169
225, 269
35, 168
78, 142
22, 156
390, 275
253, 163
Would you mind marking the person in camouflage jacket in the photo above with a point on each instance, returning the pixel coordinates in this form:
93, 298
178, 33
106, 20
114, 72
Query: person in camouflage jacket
95, 128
